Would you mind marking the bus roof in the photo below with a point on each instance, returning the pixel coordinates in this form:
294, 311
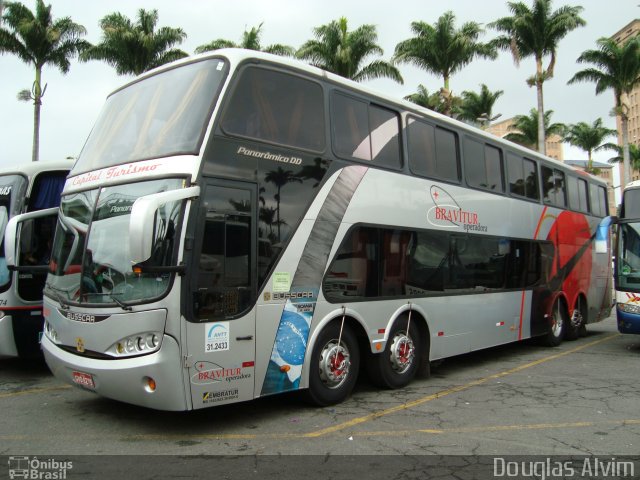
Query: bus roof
33, 168
236, 56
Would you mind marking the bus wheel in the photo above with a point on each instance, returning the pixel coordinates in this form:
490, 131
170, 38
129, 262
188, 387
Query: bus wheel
558, 327
398, 364
576, 326
334, 366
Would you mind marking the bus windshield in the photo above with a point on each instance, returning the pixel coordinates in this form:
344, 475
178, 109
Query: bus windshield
164, 114
90, 254
12, 193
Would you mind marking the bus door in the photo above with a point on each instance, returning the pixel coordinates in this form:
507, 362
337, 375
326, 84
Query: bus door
221, 331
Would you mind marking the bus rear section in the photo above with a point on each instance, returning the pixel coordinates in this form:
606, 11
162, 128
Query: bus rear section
29, 198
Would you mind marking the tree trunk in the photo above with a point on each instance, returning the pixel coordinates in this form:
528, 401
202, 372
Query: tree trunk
541, 133
37, 103
626, 162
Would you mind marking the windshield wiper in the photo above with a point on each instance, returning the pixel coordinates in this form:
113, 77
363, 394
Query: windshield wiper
112, 296
58, 296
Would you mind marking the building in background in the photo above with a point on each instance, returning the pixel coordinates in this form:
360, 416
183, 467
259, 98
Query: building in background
553, 143
632, 101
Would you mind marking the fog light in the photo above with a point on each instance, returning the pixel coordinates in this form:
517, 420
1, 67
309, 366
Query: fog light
149, 384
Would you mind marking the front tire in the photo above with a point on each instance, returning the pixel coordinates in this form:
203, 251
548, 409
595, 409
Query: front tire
398, 364
333, 369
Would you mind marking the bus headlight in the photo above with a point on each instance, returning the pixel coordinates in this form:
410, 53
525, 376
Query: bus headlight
629, 308
136, 344
50, 332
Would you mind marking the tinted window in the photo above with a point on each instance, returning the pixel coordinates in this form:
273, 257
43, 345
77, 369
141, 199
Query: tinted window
422, 149
278, 108
582, 195
598, 200
378, 262
447, 155
350, 125
553, 186
523, 177
385, 137
572, 193
365, 132
631, 203
483, 165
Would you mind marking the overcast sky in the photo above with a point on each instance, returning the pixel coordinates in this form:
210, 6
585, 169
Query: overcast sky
73, 101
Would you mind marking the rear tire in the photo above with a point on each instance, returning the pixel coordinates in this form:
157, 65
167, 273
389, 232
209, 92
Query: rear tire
400, 361
559, 321
576, 324
333, 369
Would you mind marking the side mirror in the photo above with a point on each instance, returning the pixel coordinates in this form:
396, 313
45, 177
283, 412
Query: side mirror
141, 223
12, 233
602, 233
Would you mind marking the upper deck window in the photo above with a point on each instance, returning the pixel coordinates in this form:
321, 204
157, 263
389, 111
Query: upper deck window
161, 115
365, 132
523, 177
483, 165
433, 151
277, 107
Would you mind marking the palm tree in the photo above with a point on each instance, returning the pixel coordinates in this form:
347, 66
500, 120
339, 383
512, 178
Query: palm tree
536, 32
250, 41
634, 154
588, 137
344, 53
280, 178
615, 67
434, 101
443, 50
525, 128
134, 48
477, 108
39, 40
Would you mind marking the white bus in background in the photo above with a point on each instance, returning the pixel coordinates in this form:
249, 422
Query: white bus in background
627, 261
31, 193
396, 237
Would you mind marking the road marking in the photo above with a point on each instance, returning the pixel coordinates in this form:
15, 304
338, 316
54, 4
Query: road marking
444, 393
34, 391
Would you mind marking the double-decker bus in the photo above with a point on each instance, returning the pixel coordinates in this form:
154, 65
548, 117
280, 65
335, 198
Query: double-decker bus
29, 193
239, 225
627, 261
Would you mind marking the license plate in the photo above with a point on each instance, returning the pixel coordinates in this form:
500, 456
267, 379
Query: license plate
83, 379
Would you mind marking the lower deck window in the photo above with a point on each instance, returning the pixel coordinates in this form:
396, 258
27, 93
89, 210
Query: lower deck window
381, 262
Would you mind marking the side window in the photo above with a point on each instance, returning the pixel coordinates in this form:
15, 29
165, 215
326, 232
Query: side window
523, 177
553, 186
385, 137
483, 165
447, 155
277, 107
598, 200
604, 199
224, 267
365, 132
422, 148
572, 193
46, 190
583, 190
433, 151
353, 273
349, 118
478, 262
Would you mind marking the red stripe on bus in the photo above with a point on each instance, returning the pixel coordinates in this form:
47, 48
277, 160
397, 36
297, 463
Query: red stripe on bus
2, 309
521, 315
544, 211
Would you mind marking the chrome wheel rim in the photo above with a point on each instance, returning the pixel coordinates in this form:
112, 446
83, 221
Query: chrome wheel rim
334, 364
401, 352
